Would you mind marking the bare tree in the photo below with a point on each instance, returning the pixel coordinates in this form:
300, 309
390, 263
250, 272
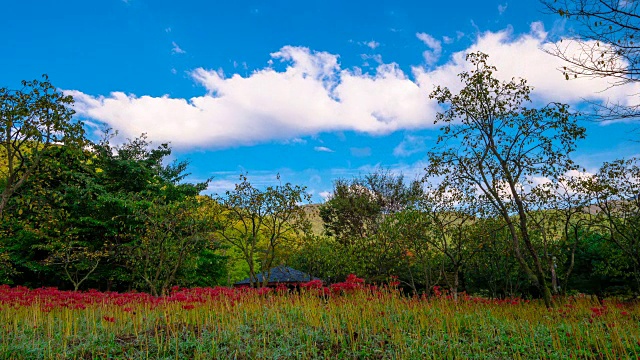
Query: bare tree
604, 45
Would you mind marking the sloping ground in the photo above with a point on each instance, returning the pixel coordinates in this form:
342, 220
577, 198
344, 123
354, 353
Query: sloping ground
313, 214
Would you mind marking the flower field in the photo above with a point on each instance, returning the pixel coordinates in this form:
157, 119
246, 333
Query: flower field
349, 320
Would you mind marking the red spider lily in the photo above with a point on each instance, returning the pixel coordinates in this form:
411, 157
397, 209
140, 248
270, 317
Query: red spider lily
351, 284
313, 284
266, 290
598, 311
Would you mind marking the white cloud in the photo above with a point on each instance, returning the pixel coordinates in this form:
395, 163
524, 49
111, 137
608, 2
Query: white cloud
502, 8
539, 68
377, 58
322, 149
372, 44
221, 186
325, 195
295, 141
411, 145
432, 55
314, 94
176, 49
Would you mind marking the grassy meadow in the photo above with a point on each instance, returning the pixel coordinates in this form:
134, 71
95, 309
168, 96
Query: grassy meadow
347, 320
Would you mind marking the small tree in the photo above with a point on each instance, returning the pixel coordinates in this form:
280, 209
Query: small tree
491, 142
259, 223
362, 216
451, 214
615, 191
173, 233
31, 120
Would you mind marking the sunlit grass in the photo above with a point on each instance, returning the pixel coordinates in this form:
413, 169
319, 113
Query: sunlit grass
352, 321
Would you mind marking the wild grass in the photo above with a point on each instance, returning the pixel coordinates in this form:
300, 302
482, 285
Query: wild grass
348, 322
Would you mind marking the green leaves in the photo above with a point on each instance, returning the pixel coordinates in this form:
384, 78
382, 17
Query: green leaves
32, 119
493, 143
262, 224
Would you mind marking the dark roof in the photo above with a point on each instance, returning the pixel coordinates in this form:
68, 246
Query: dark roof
281, 274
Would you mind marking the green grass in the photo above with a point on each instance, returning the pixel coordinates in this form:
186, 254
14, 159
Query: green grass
359, 325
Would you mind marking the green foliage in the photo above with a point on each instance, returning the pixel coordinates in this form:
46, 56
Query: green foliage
360, 216
323, 257
262, 224
32, 120
493, 143
79, 219
172, 233
81, 215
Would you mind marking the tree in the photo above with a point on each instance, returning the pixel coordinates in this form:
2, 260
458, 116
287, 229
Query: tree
172, 234
560, 223
32, 119
56, 229
361, 215
133, 177
421, 259
605, 45
615, 192
451, 216
494, 271
492, 142
260, 223
79, 217
322, 256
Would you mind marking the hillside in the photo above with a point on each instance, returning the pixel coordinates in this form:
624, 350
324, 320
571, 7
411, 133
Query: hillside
313, 213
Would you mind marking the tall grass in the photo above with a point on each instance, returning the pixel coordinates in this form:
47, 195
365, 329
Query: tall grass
349, 321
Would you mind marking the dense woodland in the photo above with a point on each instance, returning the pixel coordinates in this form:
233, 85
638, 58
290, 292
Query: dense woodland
501, 209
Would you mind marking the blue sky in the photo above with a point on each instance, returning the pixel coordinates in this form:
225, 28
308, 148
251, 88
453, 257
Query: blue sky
312, 90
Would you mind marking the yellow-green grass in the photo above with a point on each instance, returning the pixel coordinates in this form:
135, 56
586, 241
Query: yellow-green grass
362, 324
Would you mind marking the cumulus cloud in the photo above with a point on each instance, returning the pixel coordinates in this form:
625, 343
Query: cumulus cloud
314, 94
432, 55
325, 195
539, 68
